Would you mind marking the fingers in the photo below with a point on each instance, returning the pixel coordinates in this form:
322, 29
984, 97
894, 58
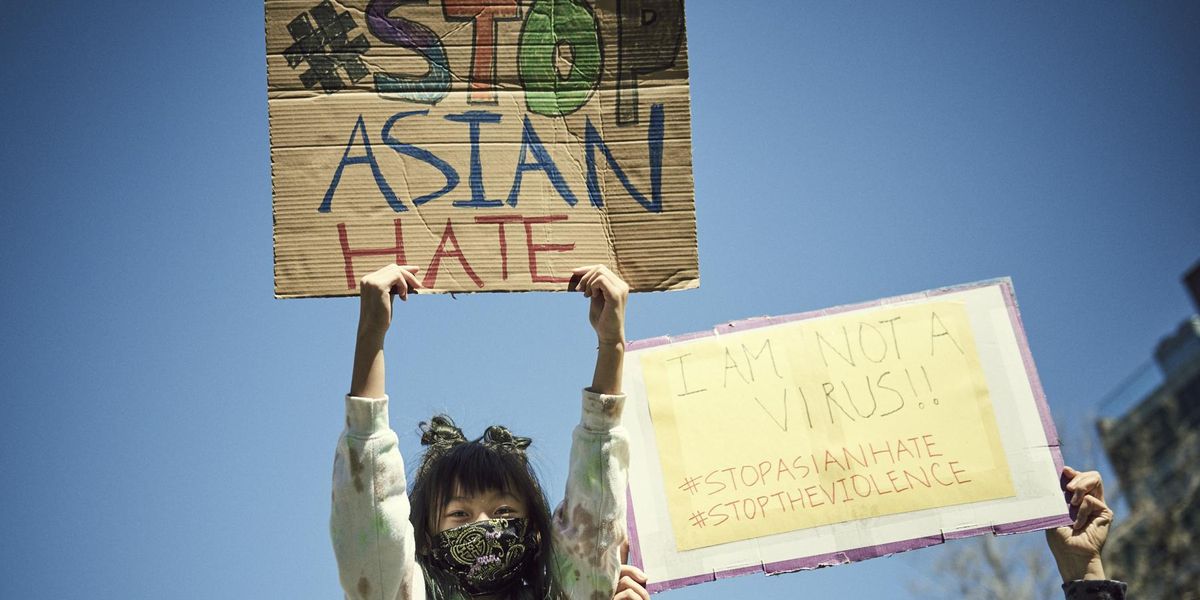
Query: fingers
631, 582
598, 279
1092, 507
392, 279
629, 589
611, 286
588, 279
1083, 484
633, 573
1085, 512
408, 284
1103, 514
389, 276
577, 276
584, 277
587, 283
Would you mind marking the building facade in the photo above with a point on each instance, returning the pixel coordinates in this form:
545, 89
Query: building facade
1154, 447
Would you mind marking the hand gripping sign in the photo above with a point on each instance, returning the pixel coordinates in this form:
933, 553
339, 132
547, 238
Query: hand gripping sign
493, 143
787, 443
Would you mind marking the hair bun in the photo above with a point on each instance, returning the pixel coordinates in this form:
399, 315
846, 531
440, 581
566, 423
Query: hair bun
441, 432
500, 437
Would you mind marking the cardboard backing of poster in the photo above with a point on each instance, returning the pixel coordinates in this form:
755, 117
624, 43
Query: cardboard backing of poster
494, 144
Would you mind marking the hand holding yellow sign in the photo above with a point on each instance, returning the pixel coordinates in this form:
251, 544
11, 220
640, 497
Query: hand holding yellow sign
823, 421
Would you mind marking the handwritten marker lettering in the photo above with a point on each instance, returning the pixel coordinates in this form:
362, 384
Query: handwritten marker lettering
690, 484
804, 424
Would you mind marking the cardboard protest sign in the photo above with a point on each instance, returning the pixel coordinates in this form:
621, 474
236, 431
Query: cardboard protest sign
495, 144
786, 443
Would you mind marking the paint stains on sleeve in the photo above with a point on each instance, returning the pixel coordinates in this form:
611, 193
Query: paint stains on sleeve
580, 535
356, 469
611, 407
585, 523
364, 587
387, 476
589, 524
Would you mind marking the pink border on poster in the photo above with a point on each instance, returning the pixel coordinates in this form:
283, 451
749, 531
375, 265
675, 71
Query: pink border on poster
858, 554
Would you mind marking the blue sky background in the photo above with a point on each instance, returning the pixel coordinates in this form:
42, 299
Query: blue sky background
169, 426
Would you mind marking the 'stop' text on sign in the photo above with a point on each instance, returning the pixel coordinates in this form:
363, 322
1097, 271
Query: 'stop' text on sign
495, 144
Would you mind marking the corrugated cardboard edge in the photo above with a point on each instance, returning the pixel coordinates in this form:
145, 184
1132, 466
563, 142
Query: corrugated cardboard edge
687, 284
270, 144
817, 561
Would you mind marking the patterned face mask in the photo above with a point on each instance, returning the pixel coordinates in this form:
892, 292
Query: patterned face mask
486, 556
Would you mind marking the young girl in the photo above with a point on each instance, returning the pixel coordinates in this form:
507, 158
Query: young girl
480, 525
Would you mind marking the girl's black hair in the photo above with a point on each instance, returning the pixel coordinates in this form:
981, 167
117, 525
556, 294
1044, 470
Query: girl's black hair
453, 465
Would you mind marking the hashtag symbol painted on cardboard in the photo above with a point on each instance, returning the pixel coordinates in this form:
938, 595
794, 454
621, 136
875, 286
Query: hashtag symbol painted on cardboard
323, 43
690, 484
699, 520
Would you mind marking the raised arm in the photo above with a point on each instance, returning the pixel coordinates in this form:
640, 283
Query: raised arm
589, 525
1077, 548
368, 524
609, 294
374, 317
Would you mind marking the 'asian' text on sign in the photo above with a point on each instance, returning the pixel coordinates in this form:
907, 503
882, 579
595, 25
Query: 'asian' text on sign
495, 144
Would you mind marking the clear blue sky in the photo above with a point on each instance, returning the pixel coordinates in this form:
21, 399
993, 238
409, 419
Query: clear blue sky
169, 426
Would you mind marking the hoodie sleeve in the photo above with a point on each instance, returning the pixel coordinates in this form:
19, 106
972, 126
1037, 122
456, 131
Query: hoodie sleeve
372, 536
1094, 589
589, 525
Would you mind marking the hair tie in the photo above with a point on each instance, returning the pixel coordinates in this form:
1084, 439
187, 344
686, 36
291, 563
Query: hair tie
501, 438
440, 433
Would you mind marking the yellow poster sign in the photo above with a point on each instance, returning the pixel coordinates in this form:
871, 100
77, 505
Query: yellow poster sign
822, 421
